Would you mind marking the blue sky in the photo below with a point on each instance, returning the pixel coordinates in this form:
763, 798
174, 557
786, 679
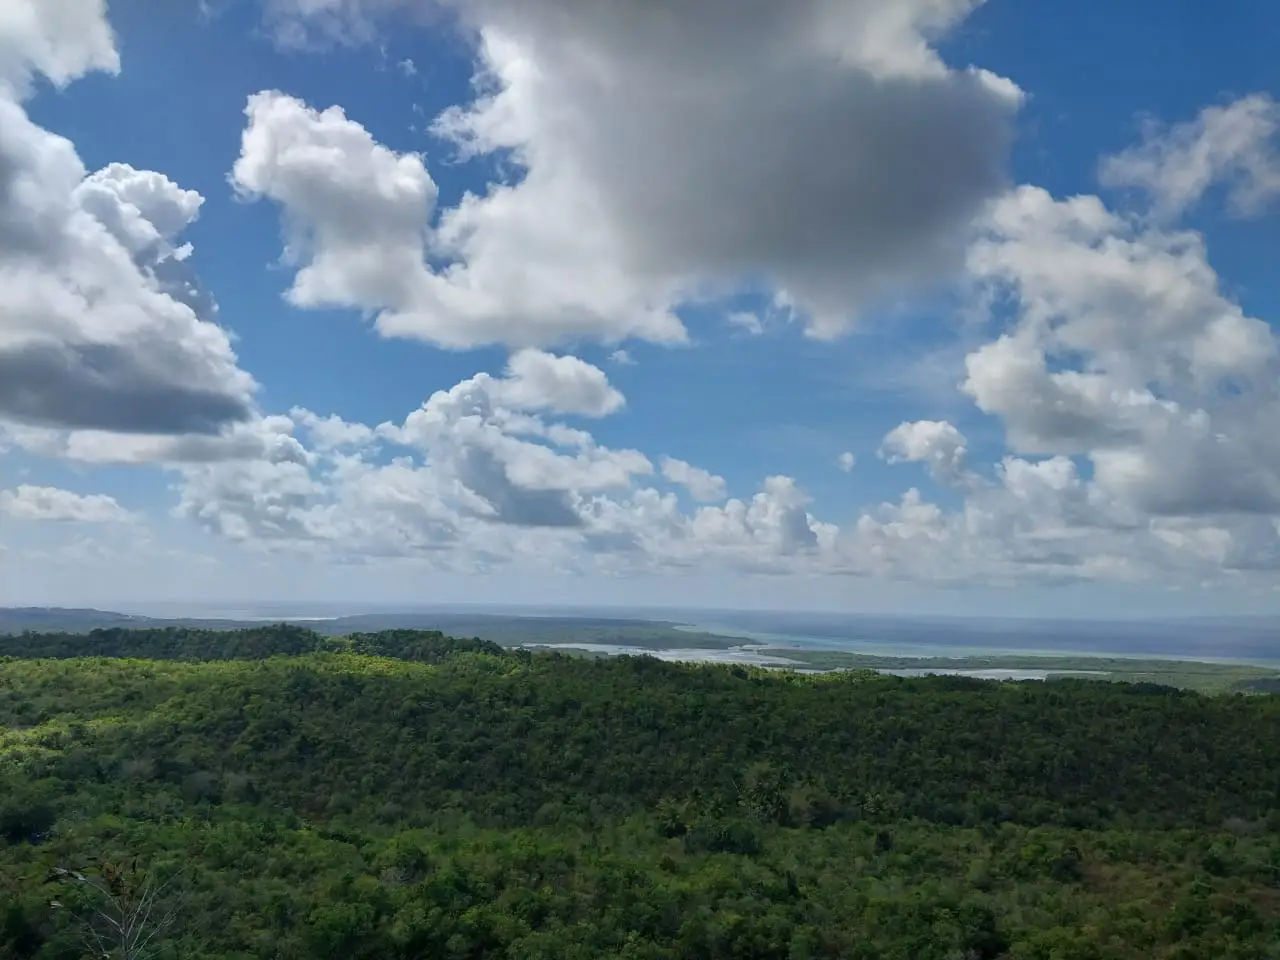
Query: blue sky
945, 305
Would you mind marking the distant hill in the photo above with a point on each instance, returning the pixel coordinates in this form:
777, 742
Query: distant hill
81, 619
506, 630
45, 617
511, 631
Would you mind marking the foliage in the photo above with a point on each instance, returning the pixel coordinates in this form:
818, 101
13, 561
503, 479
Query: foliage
402, 795
421, 646
166, 643
1203, 676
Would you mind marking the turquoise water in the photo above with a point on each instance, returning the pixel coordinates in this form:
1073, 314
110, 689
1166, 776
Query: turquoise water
956, 651
878, 648
757, 657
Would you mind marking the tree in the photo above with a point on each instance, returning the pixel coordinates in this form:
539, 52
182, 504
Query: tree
122, 913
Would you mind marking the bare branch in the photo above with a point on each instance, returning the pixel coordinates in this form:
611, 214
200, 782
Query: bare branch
124, 922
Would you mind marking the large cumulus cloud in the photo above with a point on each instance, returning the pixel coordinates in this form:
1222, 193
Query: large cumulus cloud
662, 152
100, 325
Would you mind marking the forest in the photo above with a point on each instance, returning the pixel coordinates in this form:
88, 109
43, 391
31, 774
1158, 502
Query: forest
274, 793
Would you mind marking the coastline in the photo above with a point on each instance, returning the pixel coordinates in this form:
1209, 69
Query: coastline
934, 651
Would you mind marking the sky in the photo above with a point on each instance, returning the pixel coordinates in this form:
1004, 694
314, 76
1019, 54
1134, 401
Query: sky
938, 306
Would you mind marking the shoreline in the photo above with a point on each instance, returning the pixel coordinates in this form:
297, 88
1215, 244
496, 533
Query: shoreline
1204, 676
926, 651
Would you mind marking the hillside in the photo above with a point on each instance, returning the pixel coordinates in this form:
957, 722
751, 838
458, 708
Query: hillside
402, 794
49, 619
505, 629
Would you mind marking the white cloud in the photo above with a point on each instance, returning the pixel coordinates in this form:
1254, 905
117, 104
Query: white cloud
642, 181
473, 479
356, 212
476, 457
846, 461
473, 503
1236, 143
332, 432
622, 358
100, 322
772, 533
471, 486
701, 484
248, 500
542, 381
267, 438
28, 502
933, 442
356, 220
489, 455
60, 39
145, 211
467, 485
1125, 350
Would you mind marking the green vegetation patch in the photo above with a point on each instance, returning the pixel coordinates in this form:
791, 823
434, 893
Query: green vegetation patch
1198, 675
402, 795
